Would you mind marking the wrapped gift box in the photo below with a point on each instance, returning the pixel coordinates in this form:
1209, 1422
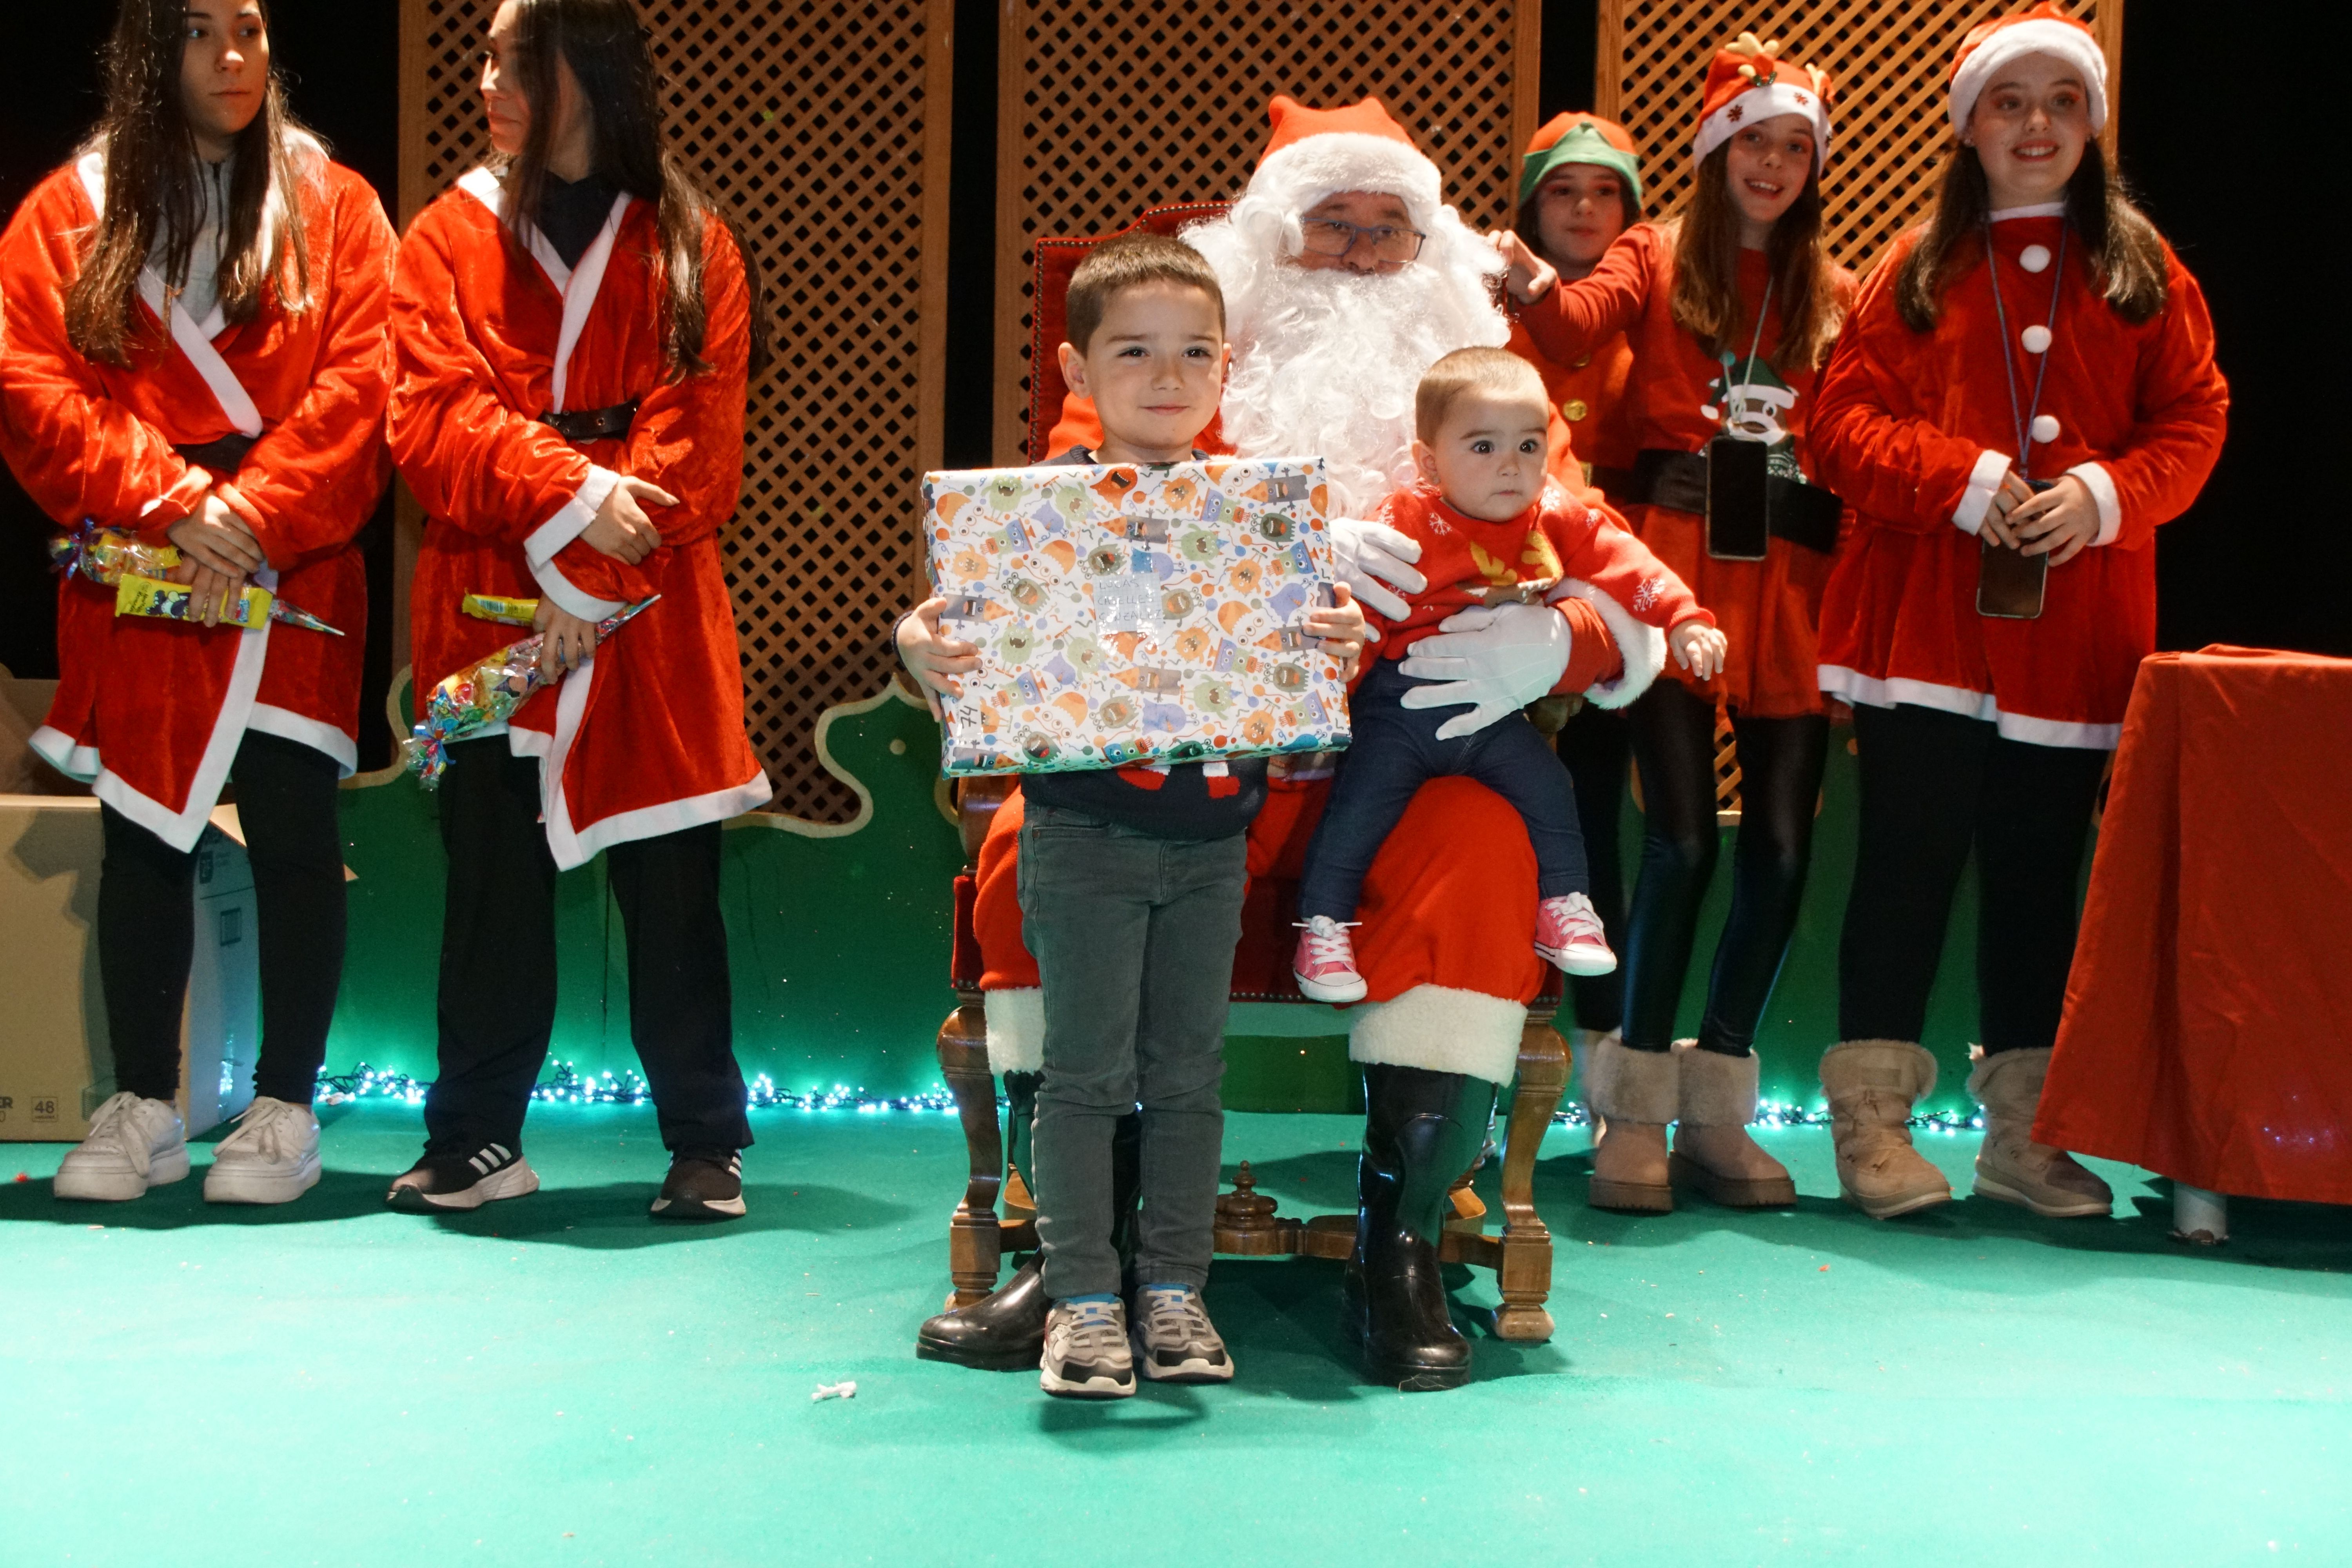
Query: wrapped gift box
1134, 614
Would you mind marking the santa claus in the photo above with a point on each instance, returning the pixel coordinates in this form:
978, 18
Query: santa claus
1345, 276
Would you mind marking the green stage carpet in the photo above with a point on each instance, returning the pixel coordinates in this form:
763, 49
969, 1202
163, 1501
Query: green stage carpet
557, 1381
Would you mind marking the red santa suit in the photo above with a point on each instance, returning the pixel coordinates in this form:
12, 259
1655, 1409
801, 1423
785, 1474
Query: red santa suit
647, 737
152, 710
1916, 430
1675, 401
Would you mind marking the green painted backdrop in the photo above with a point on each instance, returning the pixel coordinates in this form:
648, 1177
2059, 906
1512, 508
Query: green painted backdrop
839, 942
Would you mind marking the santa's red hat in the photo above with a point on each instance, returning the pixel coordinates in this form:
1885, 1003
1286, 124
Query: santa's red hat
1749, 81
1317, 152
2046, 29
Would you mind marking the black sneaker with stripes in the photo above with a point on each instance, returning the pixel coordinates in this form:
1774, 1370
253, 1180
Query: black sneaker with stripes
703, 1185
463, 1177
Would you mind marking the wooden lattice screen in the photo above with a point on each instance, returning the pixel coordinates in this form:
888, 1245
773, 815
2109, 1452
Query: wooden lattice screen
1888, 60
1105, 110
822, 124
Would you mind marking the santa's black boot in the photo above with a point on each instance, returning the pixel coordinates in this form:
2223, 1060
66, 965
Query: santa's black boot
1422, 1131
1005, 1329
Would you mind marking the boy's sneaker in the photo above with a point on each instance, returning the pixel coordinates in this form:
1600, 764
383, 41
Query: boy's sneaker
271, 1158
1175, 1342
1325, 964
133, 1144
462, 1178
703, 1183
1085, 1352
1569, 933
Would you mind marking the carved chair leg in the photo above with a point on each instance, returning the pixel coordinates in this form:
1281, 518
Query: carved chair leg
975, 1248
1524, 1276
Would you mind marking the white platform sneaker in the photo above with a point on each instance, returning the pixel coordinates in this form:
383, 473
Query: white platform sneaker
271, 1158
133, 1144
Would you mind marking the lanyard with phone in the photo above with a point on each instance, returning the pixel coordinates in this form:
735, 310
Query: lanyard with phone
1737, 502
2010, 582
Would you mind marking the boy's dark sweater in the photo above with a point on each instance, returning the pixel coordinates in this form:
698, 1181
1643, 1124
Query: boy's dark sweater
1182, 803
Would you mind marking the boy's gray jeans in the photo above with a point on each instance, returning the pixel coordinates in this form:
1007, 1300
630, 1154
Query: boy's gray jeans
1134, 939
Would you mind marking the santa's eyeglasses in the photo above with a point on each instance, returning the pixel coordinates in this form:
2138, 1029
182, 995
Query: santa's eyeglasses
1386, 242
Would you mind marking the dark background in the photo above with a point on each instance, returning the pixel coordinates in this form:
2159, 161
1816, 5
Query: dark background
2263, 559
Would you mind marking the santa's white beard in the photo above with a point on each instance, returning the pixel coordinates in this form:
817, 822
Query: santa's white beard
1326, 362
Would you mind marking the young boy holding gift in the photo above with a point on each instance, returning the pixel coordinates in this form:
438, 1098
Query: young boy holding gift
1132, 888
1491, 529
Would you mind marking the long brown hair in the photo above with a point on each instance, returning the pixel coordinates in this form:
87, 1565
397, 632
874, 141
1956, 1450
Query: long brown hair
612, 60
2125, 252
154, 182
1706, 271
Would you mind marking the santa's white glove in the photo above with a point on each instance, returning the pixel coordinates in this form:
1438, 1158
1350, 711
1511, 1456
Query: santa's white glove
1372, 557
1498, 660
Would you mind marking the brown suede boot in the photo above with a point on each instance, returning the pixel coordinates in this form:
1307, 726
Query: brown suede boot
2012, 1168
1632, 1095
1712, 1152
1871, 1086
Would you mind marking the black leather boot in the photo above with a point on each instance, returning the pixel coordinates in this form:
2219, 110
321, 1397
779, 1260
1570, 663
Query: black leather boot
1422, 1131
1005, 1329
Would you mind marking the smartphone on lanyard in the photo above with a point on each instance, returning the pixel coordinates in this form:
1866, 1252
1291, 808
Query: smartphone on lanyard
2010, 582
1736, 521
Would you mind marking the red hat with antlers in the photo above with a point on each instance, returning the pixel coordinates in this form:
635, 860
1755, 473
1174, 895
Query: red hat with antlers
1749, 81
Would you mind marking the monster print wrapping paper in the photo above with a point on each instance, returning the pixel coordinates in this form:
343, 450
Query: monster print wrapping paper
1130, 614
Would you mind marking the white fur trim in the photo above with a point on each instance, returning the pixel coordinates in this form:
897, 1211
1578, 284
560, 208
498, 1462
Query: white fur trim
573, 598
57, 748
2037, 36
1782, 97
1016, 1028
1297, 176
1714, 1090
320, 736
571, 518
1442, 1030
1852, 686
1626, 1085
2034, 209
1984, 483
1642, 645
2102, 486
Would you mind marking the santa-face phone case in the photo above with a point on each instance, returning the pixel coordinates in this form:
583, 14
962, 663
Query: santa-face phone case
1738, 519
2010, 582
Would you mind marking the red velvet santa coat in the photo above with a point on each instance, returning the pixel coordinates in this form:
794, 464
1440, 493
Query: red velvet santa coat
1674, 401
647, 737
152, 710
1916, 431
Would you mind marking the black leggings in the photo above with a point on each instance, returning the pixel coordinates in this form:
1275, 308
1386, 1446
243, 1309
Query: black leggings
1933, 786
146, 925
1595, 745
496, 1003
1779, 789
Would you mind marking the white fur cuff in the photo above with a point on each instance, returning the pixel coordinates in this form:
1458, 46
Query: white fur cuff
1016, 1029
1984, 483
2102, 486
1441, 1029
1642, 645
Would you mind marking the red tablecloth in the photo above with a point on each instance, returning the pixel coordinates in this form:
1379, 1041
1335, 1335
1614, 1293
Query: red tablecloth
2208, 1034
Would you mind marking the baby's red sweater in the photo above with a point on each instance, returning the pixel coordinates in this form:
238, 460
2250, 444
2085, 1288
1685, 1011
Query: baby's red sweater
1467, 560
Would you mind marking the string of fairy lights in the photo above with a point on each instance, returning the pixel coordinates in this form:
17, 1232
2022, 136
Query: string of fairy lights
566, 1085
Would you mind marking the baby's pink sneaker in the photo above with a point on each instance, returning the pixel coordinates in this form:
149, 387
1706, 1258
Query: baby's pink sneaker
1569, 933
1325, 964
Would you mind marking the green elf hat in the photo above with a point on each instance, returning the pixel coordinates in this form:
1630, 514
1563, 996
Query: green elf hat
1581, 137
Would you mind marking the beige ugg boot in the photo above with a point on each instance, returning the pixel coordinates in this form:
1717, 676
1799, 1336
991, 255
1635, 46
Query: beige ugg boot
1633, 1095
1713, 1151
2011, 1167
1871, 1086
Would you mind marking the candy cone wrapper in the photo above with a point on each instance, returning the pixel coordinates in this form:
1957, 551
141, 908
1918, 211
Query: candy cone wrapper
136, 570
484, 693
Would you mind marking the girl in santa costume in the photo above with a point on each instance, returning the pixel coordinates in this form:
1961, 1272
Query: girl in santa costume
195, 358
575, 325
2025, 391
1730, 309
1580, 188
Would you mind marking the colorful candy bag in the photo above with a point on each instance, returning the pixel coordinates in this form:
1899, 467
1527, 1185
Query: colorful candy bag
1135, 613
484, 693
137, 570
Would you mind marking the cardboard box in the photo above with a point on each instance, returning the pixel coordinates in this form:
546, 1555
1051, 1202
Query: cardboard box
56, 1062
